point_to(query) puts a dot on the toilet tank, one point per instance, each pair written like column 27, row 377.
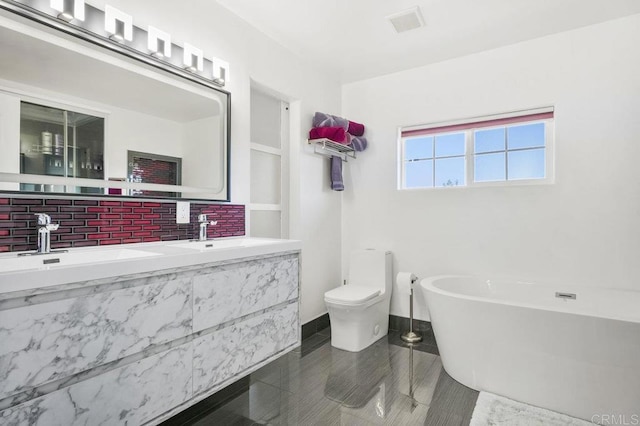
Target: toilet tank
column 371, row 268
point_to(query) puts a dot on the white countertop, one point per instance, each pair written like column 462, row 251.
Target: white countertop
column 89, row 263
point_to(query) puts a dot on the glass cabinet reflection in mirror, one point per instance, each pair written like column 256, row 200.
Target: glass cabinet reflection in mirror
column 57, row 142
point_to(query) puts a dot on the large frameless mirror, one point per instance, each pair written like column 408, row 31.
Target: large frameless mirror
column 77, row 118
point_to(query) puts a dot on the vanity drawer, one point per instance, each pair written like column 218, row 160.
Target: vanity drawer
column 132, row 395
column 49, row 341
column 228, row 352
column 236, row 290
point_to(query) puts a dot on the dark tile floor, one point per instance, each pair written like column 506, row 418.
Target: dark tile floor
column 388, row 383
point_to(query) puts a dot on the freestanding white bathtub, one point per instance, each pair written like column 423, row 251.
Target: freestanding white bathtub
column 575, row 356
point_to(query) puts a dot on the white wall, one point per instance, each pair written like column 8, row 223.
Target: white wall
column 253, row 56
column 9, row 131
column 584, row 229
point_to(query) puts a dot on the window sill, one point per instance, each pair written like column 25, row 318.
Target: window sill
column 492, row 184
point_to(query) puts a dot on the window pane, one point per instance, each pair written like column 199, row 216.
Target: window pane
column 418, row 148
column 447, row 145
column 266, row 173
column 418, row 174
column 489, row 140
column 527, row 136
column 527, row 164
column 489, row 167
column 450, row 171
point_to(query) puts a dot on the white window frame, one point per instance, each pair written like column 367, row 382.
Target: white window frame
column 470, row 154
column 433, row 158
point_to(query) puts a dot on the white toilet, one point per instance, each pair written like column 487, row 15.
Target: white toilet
column 359, row 311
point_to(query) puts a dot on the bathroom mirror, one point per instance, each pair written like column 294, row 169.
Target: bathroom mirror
column 77, row 118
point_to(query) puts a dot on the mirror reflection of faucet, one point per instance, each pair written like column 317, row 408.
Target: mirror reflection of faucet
column 204, row 222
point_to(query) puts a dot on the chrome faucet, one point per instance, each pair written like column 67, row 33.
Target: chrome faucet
column 44, row 232
column 202, row 219
column 44, row 236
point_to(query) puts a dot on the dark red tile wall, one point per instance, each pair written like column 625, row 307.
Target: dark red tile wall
column 103, row 222
column 156, row 171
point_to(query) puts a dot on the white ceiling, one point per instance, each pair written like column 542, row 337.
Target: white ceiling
column 353, row 40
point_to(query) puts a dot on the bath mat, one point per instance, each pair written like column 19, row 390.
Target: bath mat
column 499, row 411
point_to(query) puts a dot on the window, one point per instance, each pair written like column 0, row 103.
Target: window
column 507, row 148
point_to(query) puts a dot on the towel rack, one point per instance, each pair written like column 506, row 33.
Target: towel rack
column 329, row 148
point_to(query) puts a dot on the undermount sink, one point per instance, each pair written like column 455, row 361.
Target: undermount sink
column 222, row 244
column 23, row 263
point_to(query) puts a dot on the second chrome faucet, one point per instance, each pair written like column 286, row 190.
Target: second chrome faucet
column 204, row 222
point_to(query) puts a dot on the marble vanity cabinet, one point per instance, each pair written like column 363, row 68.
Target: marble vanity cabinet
column 138, row 348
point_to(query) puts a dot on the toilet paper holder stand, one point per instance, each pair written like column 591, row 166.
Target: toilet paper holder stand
column 410, row 336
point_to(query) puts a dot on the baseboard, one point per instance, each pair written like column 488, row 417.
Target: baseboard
column 209, row 404
column 313, row 326
column 397, row 323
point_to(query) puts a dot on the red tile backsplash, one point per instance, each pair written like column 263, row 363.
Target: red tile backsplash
column 86, row 223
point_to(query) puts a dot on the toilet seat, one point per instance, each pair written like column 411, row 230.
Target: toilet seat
column 350, row 295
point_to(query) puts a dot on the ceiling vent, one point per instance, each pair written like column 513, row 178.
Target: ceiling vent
column 406, row 20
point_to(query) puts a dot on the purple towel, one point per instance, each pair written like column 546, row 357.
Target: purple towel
column 356, row 129
column 336, row 174
column 359, row 143
column 336, row 134
column 320, row 119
